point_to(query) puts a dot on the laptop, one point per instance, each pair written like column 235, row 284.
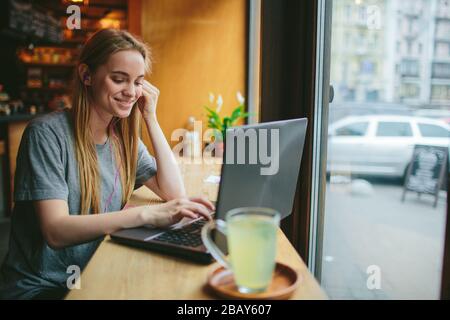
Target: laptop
column 261, row 165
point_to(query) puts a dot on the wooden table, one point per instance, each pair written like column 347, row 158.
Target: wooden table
column 120, row 272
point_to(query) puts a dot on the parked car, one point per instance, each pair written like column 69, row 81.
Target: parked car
column 381, row 145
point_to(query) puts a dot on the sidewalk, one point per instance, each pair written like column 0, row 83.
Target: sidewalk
column 404, row 239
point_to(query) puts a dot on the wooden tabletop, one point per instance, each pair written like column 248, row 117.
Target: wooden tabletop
column 121, row 272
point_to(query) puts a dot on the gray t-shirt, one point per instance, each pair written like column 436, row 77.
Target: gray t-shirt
column 47, row 169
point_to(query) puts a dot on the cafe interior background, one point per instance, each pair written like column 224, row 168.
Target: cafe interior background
column 388, row 63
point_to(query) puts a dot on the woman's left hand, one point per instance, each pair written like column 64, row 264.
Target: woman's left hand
column 149, row 99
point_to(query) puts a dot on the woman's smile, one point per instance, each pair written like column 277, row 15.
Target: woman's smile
column 125, row 103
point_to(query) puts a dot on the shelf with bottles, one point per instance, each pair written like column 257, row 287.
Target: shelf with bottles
column 48, row 56
column 38, row 78
column 47, row 89
column 17, row 109
column 45, row 101
column 47, row 68
column 62, row 65
column 114, row 21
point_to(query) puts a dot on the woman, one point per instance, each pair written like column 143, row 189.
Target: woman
column 73, row 165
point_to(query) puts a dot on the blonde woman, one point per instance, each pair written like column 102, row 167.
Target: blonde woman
column 77, row 164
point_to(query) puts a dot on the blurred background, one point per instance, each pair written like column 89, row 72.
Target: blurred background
column 199, row 50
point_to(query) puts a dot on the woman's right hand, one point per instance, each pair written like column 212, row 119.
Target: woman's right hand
column 171, row 212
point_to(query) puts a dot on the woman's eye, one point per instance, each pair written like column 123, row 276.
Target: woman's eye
column 139, row 83
column 118, row 80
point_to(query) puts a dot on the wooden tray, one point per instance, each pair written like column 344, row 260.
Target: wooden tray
column 284, row 282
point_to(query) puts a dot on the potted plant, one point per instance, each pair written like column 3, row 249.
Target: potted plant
column 221, row 124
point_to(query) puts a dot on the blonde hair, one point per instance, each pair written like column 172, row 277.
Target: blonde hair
column 124, row 133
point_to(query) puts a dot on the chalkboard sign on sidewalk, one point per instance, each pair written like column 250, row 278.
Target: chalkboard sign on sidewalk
column 427, row 170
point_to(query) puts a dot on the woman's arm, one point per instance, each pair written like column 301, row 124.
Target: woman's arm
column 167, row 183
column 61, row 229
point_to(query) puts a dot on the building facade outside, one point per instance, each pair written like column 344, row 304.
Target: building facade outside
column 391, row 52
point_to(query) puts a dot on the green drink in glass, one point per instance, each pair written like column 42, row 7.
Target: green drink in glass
column 252, row 240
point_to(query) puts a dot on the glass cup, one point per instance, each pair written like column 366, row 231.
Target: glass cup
column 252, row 240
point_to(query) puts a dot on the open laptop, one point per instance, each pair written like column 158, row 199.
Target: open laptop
column 261, row 165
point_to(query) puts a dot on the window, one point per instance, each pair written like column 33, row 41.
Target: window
column 409, row 91
column 394, row 129
column 441, row 70
column 362, row 15
column 363, row 221
column 409, row 44
column 409, row 68
column 367, row 67
column 354, row 129
column 440, row 92
column 349, row 94
column 410, row 26
column 443, row 9
column 372, row 95
column 442, row 50
column 348, row 13
column 442, row 29
column 433, row 131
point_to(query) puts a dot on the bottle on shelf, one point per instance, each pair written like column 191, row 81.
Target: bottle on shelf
column 191, row 140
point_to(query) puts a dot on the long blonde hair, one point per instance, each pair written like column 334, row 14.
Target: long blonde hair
column 124, row 133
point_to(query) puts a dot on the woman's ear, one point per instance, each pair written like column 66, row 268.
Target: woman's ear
column 84, row 74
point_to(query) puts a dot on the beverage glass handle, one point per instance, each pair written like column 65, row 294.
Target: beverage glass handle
column 221, row 226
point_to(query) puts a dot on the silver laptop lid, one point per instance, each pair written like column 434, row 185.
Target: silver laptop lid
column 261, row 164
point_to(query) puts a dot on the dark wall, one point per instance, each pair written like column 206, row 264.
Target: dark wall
column 9, row 69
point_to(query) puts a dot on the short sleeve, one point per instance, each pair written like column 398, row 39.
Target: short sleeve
column 146, row 165
column 40, row 173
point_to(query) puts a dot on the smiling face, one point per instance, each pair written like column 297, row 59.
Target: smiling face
column 116, row 85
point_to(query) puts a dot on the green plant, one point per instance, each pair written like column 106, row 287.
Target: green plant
column 215, row 121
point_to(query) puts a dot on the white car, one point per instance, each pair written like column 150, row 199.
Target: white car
column 380, row 145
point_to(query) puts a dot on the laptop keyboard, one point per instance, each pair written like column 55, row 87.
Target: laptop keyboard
column 188, row 236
